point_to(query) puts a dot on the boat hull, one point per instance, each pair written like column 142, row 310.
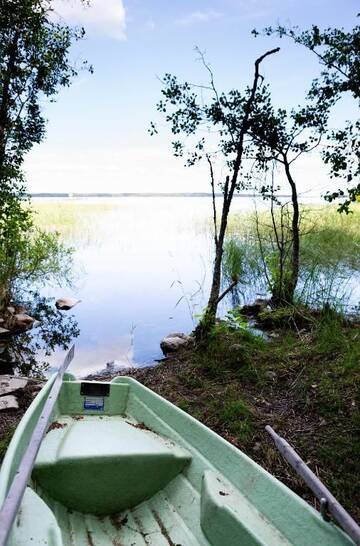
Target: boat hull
column 120, row 465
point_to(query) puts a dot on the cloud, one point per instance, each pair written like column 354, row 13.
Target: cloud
column 199, row 17
column 101, row 17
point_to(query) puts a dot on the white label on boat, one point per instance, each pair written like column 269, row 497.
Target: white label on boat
column 94, row 403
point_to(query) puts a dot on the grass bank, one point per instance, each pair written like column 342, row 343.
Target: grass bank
column 305, row 383
column 329, row 253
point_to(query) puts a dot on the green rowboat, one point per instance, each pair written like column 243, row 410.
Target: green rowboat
column 121, row 466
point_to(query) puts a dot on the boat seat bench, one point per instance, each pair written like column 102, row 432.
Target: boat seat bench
column 105, row 464
column 227, row 517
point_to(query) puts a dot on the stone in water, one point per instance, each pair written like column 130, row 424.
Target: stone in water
column 64, row 304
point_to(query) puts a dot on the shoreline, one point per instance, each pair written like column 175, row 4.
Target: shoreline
column 303, row 381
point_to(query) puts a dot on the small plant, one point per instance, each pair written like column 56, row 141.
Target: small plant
column 237, row 416
column 236, row 321
column 5, row 441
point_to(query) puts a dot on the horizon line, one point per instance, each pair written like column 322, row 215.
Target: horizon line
column 138, row 194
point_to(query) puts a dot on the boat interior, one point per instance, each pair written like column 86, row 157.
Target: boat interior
column 120, row 466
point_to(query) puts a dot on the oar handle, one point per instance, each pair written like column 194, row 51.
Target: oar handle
column 17, row 488
column 322, row 493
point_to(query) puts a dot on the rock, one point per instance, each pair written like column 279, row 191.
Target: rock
column 236, row 347
column 11, row 309
column 257, row 307
column 274, row 335
column 3, row 331
column 262, row 303
column 11, row 383
column 270, row 374
column 64, row 304
column 23, row 321
column 35, row 388
column 257, row 446
column 174, row 341
column 8, row 402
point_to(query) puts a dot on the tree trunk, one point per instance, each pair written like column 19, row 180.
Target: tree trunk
column 208, row 320
column 290, row 287
column 216, row 280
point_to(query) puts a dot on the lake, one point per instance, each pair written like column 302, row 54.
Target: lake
column 135, row 258
column 142, row 270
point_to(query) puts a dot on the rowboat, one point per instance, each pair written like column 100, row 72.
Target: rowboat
column 121, row 466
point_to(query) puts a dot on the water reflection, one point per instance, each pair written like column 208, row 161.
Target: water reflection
column 143, row 269
column 145, row 264
column 30, row 352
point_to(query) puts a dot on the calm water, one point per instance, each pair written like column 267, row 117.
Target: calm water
column 134, row 262
column 143, row 268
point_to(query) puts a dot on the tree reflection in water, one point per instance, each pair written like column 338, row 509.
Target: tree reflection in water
column 27, row 353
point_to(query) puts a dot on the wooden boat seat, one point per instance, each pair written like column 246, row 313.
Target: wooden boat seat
column 227, row 517
column 105, row 464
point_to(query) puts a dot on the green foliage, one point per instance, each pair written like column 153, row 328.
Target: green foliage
column 293, row 317
column 339, row 55
column 34, row 63
column 187, row 111
column 237, row 416
column 230, row 348
column 329, row 257
column 5, row 441
column 279, row 274
column 28, row 255
column 230, row 116
column 235, row 320
column 233, row 265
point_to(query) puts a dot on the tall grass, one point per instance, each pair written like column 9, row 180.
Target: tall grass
column 71, row 219
column 329, row 257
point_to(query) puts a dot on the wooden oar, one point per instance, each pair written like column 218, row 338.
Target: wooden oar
column 327, row 500
column 17, row 488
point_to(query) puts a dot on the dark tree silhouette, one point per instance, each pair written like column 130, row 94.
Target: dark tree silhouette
column 338, row 52
column 229, row 119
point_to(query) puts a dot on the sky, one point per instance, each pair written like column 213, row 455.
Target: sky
column 97, row 136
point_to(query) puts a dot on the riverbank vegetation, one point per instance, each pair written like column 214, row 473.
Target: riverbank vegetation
column 329, row 255
column 34, row 66
column 298, row 369
column 303, row 380
column 251, row 142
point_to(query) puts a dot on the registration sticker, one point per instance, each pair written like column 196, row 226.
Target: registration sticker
column 94, row 403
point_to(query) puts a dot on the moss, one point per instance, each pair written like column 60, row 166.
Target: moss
column 237, row 416
column 5, row 441
column 294, row 317
column 184, row 405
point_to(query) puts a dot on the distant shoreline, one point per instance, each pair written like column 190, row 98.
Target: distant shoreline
column 86, row 195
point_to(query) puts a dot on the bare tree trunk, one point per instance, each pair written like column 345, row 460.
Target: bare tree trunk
column 229, row 189
column 216, row 279
column 295, row 229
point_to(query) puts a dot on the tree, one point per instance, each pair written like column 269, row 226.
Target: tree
column 34, row 63
column 339, row 54
column 229, row 119
column 284, row 137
